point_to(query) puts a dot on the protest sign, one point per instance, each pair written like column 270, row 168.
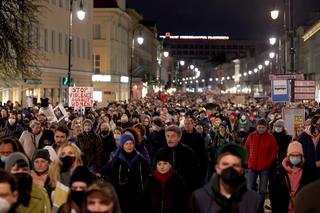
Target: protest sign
column 59, row 113
column 80, row 97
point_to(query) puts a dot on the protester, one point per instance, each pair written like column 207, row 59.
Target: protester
column 262, row 153
column 12, row 129
column 29, row 139
column 32, row 197
column 227, row 190
column 129, row 174
column 8, row 146
column 288, row 179
column 157, row 138
column 107, row 139
column 282, row 139
column 40, row 164
column 165, row 191
column 306, row 200
column 61, row 135
column 102, row 198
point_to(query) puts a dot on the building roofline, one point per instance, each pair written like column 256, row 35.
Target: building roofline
column 312, row 31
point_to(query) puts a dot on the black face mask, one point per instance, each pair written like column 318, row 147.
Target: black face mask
column 242, row 134
column 67, row 162
column 78, row 197
column 231, row 177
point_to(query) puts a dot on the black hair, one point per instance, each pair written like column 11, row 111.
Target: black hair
column 6, row 177
column 63, row 128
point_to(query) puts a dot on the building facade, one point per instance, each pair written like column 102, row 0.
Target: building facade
column 52, row 39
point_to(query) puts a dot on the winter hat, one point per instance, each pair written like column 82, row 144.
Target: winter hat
column 41, row 153
column 88, row 121
column 158, row 122
column 163, row 156
column 223, row 124
column 44, row 102
column 295, row 148
column 234, row 149
column 262, row 122
column 279, row 123
column 82, row 174
column 124, row 138
column 12, row 160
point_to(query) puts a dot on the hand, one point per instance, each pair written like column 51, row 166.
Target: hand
column 318, row 163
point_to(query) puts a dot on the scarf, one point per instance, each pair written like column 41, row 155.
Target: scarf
column 129, row 158
column 162, row 177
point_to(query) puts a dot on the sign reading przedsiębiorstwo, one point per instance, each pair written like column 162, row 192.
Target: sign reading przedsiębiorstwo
column 80, row 97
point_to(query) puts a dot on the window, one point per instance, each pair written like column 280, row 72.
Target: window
column 61, row 3
column 88, row 50
column 66, row 43
column 53, row 41
column 45, row 40
column 96, row 64
column 78, row 47
column 67, row 4
column 83, row 48
column 37, row 37
column 60, row 42
column 30, row 35
column 96, row 31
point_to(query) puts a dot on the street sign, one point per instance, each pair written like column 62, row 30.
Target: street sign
column 287, row 77
column 280, row 91
column 33, row 81
column 304, row 90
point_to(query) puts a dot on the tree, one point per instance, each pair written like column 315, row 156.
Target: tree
column 18, row 54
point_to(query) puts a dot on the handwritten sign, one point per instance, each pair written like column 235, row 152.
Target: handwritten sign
column 80, row 97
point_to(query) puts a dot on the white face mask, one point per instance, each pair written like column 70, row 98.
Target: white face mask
column 87, row 129
column 4, row 205
column 4, row 158
column 11, row 121
column 278, row 129
column 116, row 136
column 243, row 117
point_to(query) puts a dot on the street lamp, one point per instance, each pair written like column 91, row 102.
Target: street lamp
column 166, row 54
column 191, row 66
column 182, row 63
column 272, row 40
column 266, row 62
column 272, row 55
column 260, row 67
column 274, row 14
column 81, row 15
column 140, row 41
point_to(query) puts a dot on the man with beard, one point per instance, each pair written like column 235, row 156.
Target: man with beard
column 227, row 190
column 32, row 198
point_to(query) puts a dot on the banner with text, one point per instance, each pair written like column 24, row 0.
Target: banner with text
column 80, row 97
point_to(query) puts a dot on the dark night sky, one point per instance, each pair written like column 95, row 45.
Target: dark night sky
column 239, row 19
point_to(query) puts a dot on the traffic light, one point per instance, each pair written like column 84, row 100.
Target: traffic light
column 65, row 81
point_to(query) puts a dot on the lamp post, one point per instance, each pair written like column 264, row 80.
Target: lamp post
column 140, row 41
column 81, row 15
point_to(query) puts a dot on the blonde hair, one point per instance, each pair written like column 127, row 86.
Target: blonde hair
column 34, row 123
column 55, row 167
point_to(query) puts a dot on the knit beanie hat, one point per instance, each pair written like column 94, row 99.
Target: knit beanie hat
column 82, row 174
column 279, row 122
column 295, row 148
column 88, row 121
column 41, row 153
column 124, row 138
column 163, row 156
column 12, row 160
column 234, row 149
column 158, row 122
column 262, row 122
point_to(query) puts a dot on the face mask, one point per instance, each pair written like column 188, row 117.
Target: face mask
column 11, row 121
column 3, row 158
column 295, row 160
column 231, row 177
column 67, row 162
column 78, row 197
column 4, row 205
column 243, row 117
column 278, row 129
column 104, row 132
column 242, row 134
column 117, row 137
column 87, row 129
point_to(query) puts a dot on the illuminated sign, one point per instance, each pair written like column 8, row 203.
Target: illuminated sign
column 101, row 78
column 124, row 79
column 187, row 37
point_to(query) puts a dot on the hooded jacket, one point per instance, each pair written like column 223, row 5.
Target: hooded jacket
column 209, row 199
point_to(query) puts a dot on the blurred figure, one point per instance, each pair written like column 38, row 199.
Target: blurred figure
column 8, row 192
column 306, row 201
column 288, row 179
column 102, row 198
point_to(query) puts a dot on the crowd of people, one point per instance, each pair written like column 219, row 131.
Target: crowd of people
column 183, row 154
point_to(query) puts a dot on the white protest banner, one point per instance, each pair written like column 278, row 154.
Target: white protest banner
column 293, row 119
column 59, row 113
column 80, row 97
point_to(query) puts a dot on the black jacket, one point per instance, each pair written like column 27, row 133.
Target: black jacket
column 209, row 200
column 196, row 142
column 155, row 141
column 185, row 164
column 280, row 189
column 283, row 141
column 170, row 197
column 129, row 182
column 109, row 145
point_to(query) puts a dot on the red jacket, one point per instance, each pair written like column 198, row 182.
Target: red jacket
column 262, row 150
